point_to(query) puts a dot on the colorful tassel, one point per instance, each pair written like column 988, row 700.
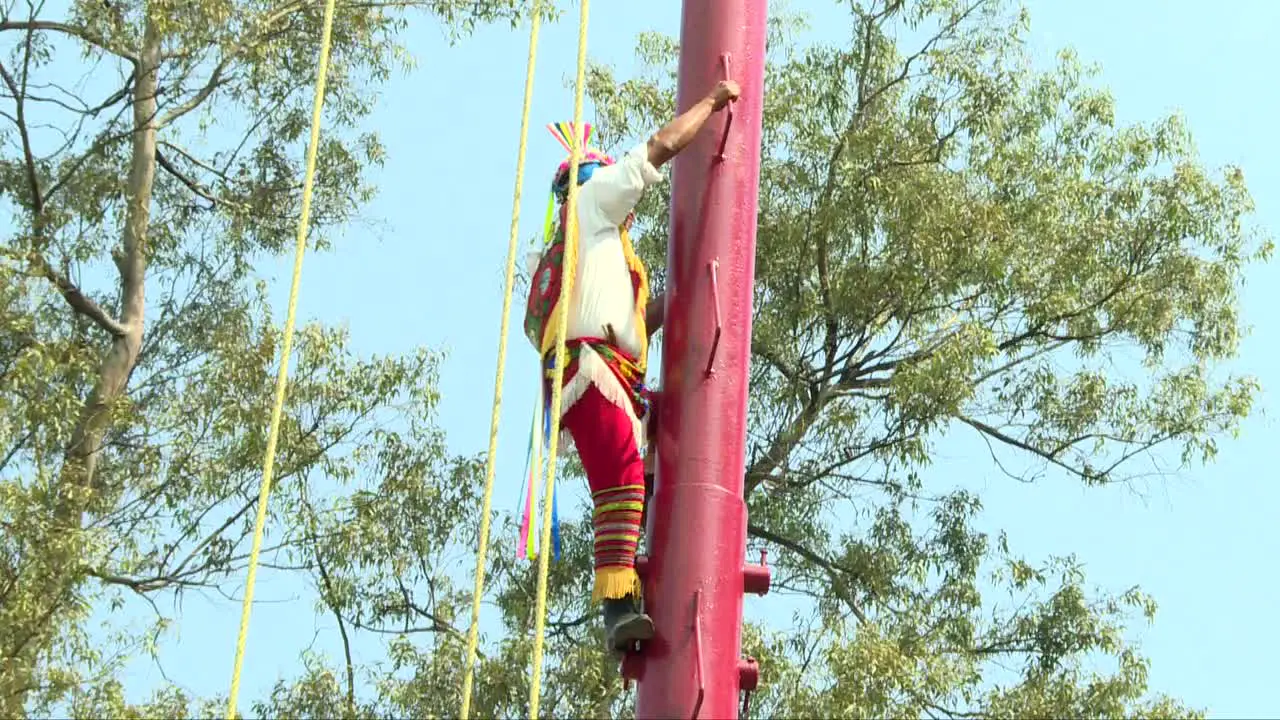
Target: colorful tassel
column 547, row 226
column 555, row 500
column 522, row 545
column 527, row 544
column 555, row 524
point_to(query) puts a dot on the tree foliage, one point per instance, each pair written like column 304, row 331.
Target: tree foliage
column 954, row 242
column 951, row 242
column 151, row 159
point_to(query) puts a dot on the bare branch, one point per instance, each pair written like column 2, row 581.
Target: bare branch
column 1051, row 457
column 85, row 108
column 33, row 184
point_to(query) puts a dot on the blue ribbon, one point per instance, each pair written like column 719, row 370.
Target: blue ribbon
column 555, row 500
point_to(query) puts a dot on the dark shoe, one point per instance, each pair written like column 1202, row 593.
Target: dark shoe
column 625, row 625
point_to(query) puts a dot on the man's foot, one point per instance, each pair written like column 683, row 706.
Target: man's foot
column 625, row 625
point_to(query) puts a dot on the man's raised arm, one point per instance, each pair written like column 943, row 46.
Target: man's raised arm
column 677, row 134
column 614, row 190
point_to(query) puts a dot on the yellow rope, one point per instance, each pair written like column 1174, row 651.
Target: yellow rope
column 282, row 377
column 557, row 382
column 473, row 636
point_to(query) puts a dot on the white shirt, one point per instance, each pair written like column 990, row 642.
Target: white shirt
column 602, row 291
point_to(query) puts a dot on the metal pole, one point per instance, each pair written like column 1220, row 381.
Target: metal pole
column 695, row 575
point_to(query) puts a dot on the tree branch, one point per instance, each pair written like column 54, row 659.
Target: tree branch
column 831, row 568
column 765, row 353
column 1051, row 457
column 70, row 292
column 78, row 301
column 786, row 441
column 17, row 447
column 342, row 629
column 28, row 157
column 190, row 184
column 216, row 80
column 77, row 32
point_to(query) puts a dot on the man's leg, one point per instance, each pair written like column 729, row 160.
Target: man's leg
column 606, row 444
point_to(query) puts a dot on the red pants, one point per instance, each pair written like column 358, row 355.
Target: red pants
column 606, row 443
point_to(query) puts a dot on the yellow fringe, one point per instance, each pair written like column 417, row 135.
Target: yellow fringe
column 613, row 583
column 642, row 296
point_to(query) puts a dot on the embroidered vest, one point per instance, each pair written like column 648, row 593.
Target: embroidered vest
column 544, row 295
column 548, row 278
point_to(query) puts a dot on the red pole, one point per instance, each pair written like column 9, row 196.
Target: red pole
column 695, row 575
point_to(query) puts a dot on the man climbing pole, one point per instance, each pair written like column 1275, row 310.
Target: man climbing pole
column 610, row 319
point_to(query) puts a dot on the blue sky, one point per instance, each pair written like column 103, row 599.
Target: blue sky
column 1200, row 541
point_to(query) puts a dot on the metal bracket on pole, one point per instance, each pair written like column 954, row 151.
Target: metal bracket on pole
column 756, row 578
column 725, row 60
column 748, row 681
column 697, row 651
column 712, row 269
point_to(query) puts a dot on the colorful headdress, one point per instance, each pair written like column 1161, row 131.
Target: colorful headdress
column 563, row 133
column 591, row 158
